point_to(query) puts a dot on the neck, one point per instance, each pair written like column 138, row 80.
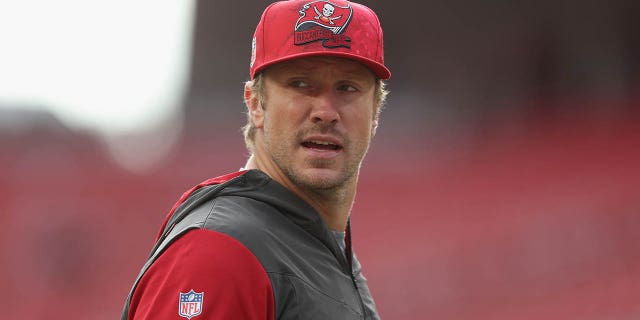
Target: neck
column 333, row 205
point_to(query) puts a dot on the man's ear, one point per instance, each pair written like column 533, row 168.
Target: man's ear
column 254, row 106
column 374, row 122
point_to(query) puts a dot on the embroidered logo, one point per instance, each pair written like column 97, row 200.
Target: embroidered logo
column 190, row 304
column 323, row 21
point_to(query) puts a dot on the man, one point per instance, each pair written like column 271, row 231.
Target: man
column 268, row 242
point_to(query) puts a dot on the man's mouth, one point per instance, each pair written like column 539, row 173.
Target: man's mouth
column 321, row 145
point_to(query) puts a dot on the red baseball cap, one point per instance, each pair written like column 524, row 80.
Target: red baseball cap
column 301, row 28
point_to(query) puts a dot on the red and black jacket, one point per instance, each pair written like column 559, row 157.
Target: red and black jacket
column 242, row 246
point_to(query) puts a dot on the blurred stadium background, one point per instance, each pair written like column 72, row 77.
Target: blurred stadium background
column 504, row 182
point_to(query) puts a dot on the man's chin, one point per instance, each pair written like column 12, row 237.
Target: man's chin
column 320, row 179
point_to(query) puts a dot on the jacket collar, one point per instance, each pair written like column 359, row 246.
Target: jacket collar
column 257, row 185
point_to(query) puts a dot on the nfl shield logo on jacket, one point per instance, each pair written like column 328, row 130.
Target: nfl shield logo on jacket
column 190, row 304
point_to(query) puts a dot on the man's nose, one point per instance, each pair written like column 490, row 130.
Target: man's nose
column 324, row 109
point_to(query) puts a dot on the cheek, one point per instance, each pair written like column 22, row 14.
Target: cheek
column 277, row 123
column 364, row 120
column 287, row 116
column 361, row 131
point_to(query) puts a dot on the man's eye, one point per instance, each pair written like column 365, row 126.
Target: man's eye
column 299, row 84
column 348, row 88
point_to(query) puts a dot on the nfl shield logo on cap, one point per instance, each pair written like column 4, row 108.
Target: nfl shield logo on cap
column 190, row 304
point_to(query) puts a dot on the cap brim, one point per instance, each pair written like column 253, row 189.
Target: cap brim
column 378, row 69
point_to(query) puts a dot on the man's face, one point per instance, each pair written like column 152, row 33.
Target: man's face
column 318, row 118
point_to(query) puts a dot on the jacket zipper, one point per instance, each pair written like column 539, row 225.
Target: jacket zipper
column 349, row 256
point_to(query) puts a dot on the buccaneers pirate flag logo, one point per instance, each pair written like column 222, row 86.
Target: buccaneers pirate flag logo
column 323, row 21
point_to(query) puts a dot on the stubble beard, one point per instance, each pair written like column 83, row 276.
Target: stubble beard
column 327, row 187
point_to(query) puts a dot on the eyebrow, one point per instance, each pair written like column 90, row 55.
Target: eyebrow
column 298, row 68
